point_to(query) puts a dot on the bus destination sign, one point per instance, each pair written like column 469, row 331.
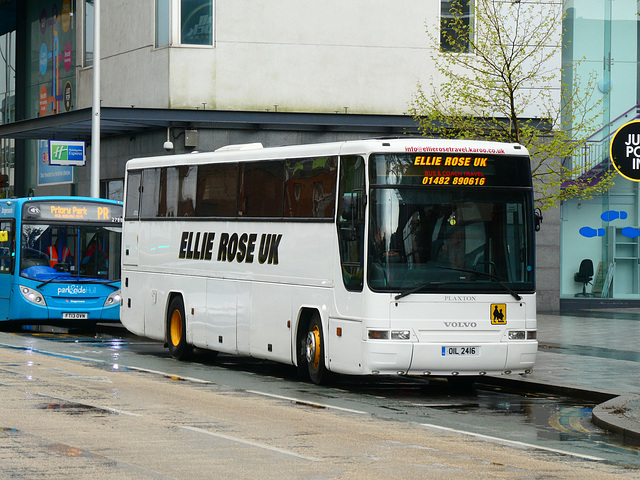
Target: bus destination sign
column 462, row 171
column 78, row 211
column 451, row 170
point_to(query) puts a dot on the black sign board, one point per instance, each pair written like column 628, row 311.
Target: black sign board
column 625, row 150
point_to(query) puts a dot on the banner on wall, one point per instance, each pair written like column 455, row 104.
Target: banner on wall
column 625, row 150
column 51, row 174
column 50, row 71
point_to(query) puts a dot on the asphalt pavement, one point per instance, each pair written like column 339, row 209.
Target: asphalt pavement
column 593, row 354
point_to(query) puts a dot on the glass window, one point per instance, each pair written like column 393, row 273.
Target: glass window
column 163, row 22
column 261, row 189
column 7, row 246
column 351, row 221
column 150, row 193
column 114, row 189
column 455, row 25
column 133, row 195
column 310, row 187
column 88, row 32
column 186, row 191
column 217, row 190
column 196, row 22
column 55, row 253
column 456, row 239
column 168, row 200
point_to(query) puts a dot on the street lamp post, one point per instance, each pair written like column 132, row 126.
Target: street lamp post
column 95, row 110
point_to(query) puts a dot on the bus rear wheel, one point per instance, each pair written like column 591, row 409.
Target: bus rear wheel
column 177, row 330
column 314, row 351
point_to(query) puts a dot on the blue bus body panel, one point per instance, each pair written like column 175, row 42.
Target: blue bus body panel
column 65, row 298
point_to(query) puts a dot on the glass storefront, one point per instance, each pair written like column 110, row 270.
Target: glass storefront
column 603, row 37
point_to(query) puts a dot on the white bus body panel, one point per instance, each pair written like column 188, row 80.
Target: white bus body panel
column 232, row 306
column 436, row 322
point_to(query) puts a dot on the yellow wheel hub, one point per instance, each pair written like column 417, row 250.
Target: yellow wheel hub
column 176, row 328
column 313, row 347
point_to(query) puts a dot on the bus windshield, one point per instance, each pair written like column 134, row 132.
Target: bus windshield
column 444, row 238
column 63, row 253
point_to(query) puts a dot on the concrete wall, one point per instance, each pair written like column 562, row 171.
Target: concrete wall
column 548, row 262
column 365, row 55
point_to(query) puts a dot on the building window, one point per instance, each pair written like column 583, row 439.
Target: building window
column 112, row 189
column 163, row 22
column 196, row 22
column 455, row 26
column 88, row 33
column 183, row 22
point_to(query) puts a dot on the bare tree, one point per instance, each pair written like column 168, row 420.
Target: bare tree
column 499, row 77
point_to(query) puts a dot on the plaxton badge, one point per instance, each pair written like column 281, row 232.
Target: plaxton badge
column 238, row 247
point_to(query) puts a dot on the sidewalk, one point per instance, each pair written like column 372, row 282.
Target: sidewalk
column 594, row 354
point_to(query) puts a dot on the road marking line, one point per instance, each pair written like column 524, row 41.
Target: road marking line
column 513, row 442
column 170, row 375
column 306, row 402
column 250, row 443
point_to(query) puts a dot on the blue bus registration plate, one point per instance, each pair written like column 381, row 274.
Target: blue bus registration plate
column 75, row 316
column 460, row 351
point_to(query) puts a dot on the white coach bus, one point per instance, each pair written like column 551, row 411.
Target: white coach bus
column 402, row 257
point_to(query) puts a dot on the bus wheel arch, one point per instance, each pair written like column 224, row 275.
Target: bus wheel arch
column 176, row 328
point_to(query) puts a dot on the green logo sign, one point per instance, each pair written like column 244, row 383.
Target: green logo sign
column 66, row 153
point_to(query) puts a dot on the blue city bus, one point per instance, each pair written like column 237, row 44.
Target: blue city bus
column 60, row 260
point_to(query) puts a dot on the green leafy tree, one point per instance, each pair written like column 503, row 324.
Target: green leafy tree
column 498, row 77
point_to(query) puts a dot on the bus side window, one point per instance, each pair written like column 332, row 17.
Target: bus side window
column 150, row 193
column 350, row 222
column 133, row 196
column 7, row 247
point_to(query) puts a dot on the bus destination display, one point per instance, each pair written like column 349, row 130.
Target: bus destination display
column 453, row 170
column 80, row 211
column 446, row 170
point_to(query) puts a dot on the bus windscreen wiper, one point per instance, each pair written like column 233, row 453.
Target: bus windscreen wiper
column 417, row 288
column 490, row 276
column 46, row 282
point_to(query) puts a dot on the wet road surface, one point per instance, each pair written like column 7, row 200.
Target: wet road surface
column 529, row 420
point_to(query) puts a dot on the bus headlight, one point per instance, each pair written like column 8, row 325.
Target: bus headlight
column 385, row 335
column 32, row 296
column 113, row 299
column 517, row 335
column 400, row 334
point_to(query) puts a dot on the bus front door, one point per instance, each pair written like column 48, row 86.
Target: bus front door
column 7, row 255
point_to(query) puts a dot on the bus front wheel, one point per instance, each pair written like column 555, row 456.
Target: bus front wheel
column 176, row 330
column 314, row 351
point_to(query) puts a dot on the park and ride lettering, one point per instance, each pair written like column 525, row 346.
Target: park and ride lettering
column 75, row 212
column 234, row 247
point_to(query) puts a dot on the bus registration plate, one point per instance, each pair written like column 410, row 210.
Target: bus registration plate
column 74, row 316
column 461, row 351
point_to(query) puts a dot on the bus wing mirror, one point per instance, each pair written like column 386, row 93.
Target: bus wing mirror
column 4, row 236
